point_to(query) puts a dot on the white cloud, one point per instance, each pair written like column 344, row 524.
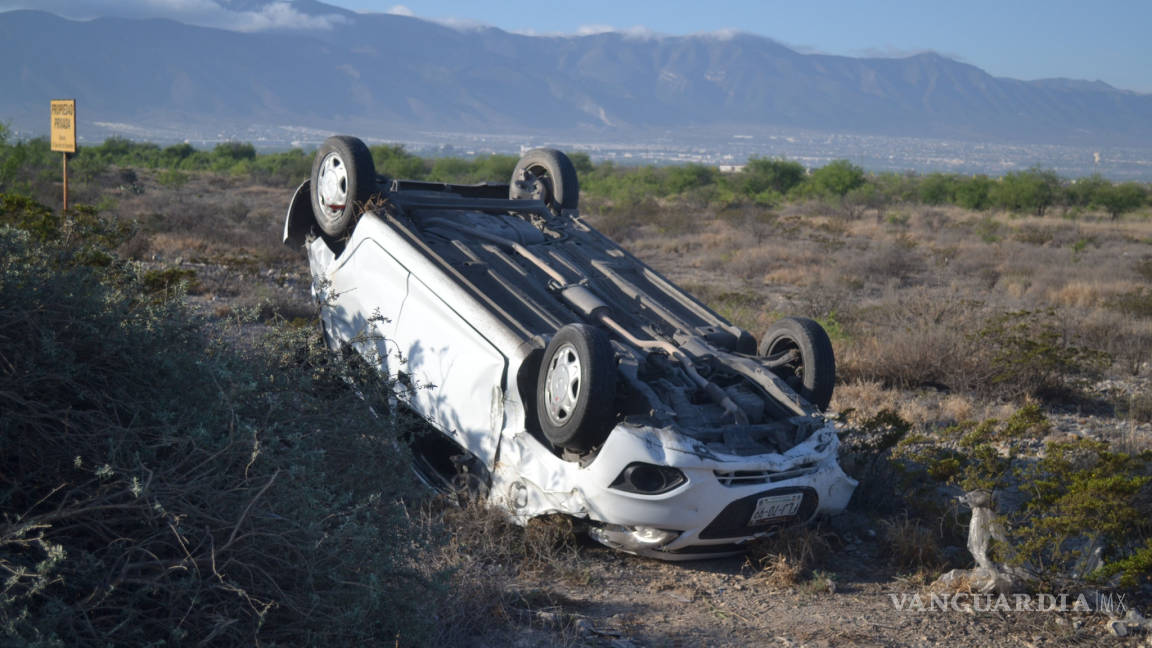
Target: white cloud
column 592, row 30
column 721, row 34
column 400, row 10
column 273, row 14
column 460, row 24
column 640, row 32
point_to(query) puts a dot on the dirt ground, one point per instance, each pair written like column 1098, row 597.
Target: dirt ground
column 628, row 601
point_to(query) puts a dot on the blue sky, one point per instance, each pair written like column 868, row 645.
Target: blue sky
column 1107, row 40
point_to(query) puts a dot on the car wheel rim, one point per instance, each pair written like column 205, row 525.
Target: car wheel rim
column 793, row 372
column 563, row 384
column 332, row 186
column 539, row 183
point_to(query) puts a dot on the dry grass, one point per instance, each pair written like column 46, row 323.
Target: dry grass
column 911, row 294
column 909, row 544
column 1083, row 294
column 786, row 558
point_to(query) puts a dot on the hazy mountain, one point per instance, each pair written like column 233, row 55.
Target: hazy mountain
column 378, row 71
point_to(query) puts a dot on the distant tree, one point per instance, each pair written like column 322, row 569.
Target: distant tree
column 395, row 162
column 1122, row 198
column 938, row 189
column 897, row 187
column 1034, row 190
column 494, row 168
column 1086, row 191
column 836, row 178
column 867, row 196
column 234, row 151
column 769, row 174
column 974, row 192
column 688, row 177
column 177, row 153
column 449, row 169
column 582, row 161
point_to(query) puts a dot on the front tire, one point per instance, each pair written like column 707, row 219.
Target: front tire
column 576, row 390
column 813, row 373
column 343, row 179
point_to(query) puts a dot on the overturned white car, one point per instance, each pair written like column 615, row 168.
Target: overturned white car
column 565, row 375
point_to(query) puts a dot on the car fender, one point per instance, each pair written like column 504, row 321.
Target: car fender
column 299, row 220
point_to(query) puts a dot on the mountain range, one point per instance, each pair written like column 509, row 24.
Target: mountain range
column 377, row 73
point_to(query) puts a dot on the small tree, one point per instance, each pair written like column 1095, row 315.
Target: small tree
column 836, row 178
column 778, row 175
column 975, row 192
column 938, row 189
column 1118, row 199
column 1033, row 190
column 1086, row 191
column 688, row 177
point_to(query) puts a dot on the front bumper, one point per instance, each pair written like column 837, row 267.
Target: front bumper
column 709, row 515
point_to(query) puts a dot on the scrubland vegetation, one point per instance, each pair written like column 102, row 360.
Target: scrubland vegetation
column 182, row 463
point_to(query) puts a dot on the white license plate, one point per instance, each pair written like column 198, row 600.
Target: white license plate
column 776, row 506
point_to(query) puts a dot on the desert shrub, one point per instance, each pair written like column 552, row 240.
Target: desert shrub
column 26, row 214
column 1143, row 268
column 1084, row 496
column 1139, row 407
column 909, row 543
column 162, row 488
column 1072, row 500
column 167, row 280
column 920, row 339
column 866, row 454
column 172, row 178
column 790, row 555
column 1030, row 355
column 1137, row 303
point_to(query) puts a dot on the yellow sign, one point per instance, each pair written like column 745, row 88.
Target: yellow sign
column 64, row 125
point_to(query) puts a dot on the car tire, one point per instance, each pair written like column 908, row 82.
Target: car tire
column 813, row 375
column 343, row 179
column 548, row 175
column 576, row 389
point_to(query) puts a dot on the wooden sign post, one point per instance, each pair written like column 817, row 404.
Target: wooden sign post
column 64, row 134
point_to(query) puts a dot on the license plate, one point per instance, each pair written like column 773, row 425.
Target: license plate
column 776, row 506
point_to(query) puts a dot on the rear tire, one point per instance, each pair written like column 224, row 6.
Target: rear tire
column 576, row 390
column 813, row 374
column 343, row 179
column 548, row 175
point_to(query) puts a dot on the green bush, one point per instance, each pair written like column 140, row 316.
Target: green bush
column 1122, row 198
column 777, row 176
column 1082, row 495
column 836, row 178
column 974, row 192
column 939, row 189
column 1034, row 190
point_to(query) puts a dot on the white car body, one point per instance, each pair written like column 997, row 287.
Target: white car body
column 445, row 329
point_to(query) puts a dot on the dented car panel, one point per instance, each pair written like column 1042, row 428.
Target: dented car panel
column 570, row 377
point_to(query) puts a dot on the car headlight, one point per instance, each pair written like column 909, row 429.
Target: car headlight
column 648, row 479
